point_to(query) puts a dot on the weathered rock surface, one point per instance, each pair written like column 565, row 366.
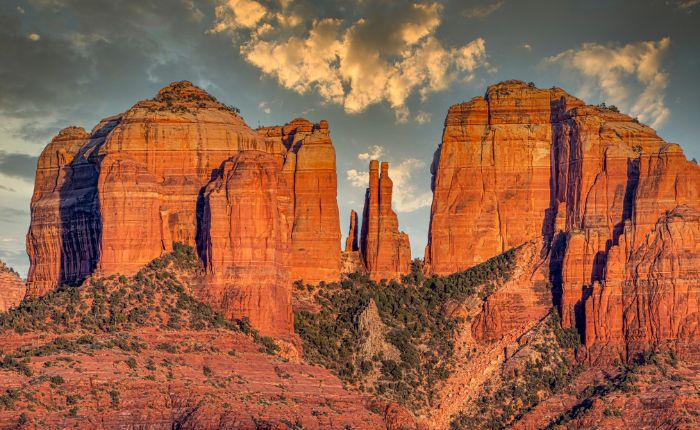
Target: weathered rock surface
column 310, row 163
column 351, row 243
column 386, row 251
column 12, row 288
column 522, row 163
column 246, row 238
column 112, row 200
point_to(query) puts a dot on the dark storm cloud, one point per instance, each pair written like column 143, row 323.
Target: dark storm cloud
column 18, row 165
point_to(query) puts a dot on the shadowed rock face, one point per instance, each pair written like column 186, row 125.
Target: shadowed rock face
column 596, row 185
column 351, row 244
column 386, row 251
column 114, row 199
column 12, row 289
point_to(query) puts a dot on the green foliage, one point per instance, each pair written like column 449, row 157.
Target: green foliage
column 418, row 328
column 547, row 371
column 152, row 297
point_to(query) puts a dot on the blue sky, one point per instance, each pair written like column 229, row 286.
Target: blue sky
column 382, row 73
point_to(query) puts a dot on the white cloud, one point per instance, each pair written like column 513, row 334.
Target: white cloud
column 264, row 107
column 423, row 117
column 33, row 37
column 406, row 196
column 235, row 14
column 384, row 55
column 527, row 47
column 483, row 11
column 630, row 76
column 375, row 153
column 358, row 179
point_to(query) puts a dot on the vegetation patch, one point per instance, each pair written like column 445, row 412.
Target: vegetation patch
column 417, row 326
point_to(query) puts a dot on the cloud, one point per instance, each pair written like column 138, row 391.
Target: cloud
column 384, row 54
column 631, row 77
column 239, row 14
column 264, row 107
column 21, row 166
column 527, row 47
column 358, row 179
column 406, row 196
column 423, row 117
column 33, row 37
column 12, row 213
column 686, row 5
column 375, row 154
column 483, row 11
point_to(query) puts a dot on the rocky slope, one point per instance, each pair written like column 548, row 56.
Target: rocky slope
column 142, row 352
column 112, row 200
column 597, row 187
column 12, row 288
column 385, row 251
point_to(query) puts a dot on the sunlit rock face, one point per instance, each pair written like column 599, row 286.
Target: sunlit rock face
column 111, row 200
column 12, row 288
column 523, row 163
column 386, row 251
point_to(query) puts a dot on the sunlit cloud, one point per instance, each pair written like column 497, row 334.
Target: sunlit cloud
column 483, row 11
column 631, row 77
column 375, row 153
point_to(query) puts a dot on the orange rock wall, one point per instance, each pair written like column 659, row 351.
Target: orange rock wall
column 12, row 288
column 386, row 251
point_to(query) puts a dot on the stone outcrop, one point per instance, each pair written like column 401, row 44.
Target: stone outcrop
column 598, row 187
column 351, row 243
column 246, row 236
column 112, row 200
column 386, row 251
column 12, row 288
column 310, row 163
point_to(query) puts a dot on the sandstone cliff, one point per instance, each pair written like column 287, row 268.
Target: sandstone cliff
column 245, row 228
column 596, row 185
column 112, row 200
column 310, row 163
column 385, row 250
column 351, row 243
column 12, row 288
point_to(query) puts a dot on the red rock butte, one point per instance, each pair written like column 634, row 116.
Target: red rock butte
column 385, row 251
column 615, row 206
column 111, row 200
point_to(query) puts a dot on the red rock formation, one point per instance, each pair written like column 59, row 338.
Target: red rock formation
column 246, row 235
column 522, row 163
column 385, row 250
column 491, row 175
column 12, row 289
column 114, row 199
column 310, row 161
column 351, row 241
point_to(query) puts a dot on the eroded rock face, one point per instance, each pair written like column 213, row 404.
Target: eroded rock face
column 597, row 186
column 386, row 251
column 351, row 243
column 310, row 165
column 112, row 200
column 12, row 288
column 246, row 234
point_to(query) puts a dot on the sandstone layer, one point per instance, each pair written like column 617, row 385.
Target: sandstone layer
column 351, row 243
column 109, row 201
column 597, row 186
column 310, row 164
column 12, row 288
column 246, row 235
column 386, row 251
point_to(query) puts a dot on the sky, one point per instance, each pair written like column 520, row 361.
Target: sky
column 383, row 73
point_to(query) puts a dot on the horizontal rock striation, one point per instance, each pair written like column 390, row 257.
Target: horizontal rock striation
column 12, row 288
column 112, row 200
column 597, row 186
